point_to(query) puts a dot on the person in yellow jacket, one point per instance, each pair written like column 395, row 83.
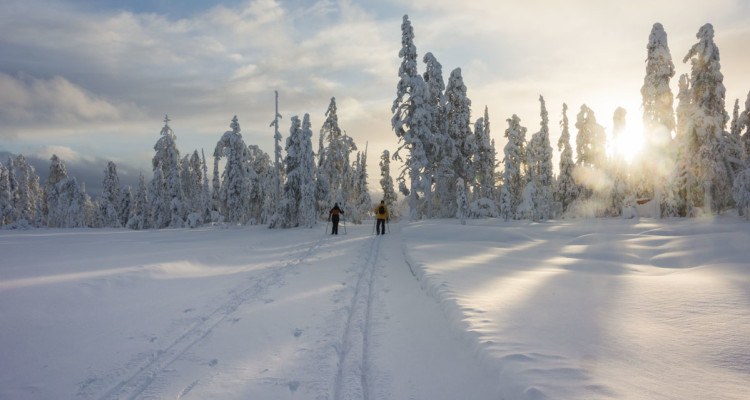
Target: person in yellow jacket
column 381, row 213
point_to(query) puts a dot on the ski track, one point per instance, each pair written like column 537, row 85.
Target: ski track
column 137, row 382
column 354, row 372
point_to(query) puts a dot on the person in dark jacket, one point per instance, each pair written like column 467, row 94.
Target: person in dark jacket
column 382, row 215
column 333, row 216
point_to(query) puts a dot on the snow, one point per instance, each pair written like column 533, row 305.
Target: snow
column 580, row 309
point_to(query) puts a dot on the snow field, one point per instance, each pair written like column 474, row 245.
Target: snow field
column 605, row 308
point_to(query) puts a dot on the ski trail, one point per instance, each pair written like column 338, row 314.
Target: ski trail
column 136, row 383
column 353, row 371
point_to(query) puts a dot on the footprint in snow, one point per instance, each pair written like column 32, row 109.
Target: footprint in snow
column 213, row 362
column 297, row 332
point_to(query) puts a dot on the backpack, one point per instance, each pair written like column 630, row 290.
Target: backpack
column 381, row 210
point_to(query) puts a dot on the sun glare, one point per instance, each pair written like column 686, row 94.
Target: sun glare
column 628, row 144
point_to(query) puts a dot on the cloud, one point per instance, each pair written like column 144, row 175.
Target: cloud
column 27, row 99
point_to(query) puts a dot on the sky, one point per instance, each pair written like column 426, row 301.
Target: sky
column 92, row 80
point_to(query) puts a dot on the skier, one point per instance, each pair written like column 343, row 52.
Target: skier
column 333, row 216
column 381, row 213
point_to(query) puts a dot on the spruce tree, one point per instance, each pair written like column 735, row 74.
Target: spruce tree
column 238, row 176
column 166, row 193
column 386, row 182
column 109, row 201
column 566, row 189
column 411, row 119
column 710, row 172
column 6, row 205
column 514, row 164
column 52, row 207
column 540, row 174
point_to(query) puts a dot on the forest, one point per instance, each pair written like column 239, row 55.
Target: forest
column 694, row 162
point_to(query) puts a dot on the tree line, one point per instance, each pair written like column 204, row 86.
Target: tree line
column 291, row 191
column 691, row 164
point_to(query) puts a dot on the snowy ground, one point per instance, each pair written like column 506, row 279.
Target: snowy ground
column 588, row 309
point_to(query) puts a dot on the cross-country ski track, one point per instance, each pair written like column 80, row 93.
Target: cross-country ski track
column 375, row 334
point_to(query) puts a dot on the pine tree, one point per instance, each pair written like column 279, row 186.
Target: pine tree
column 296, row 161
column 6, row 204
column 620, row 188
column 109, row 201
column 308, row 211
column 658, row 114
column 566, row 189
column 27, row 194
column 438, row 146
column 262, row 187
column 139, row 209
column 677, row 202
column 744, row 124
column 656, row 159
column 238, row 176
column 205, row 191
column 486, row 158
column 515, row 163
column 335, row 158
column 72, row 204
column 462, row 201
column 363, row 200
column 710, row 172
column 51, row 205
column 411, row 119
column 166, row 194
column 540, row 174
column 386, row 183
column 458, row 121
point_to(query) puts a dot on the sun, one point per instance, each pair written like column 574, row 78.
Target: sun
column 628, row 143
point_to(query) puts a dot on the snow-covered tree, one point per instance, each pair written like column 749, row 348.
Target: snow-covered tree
column 486, row 159
column 438, row 146
column 335, row 167
column 298, row 206
column 192, row 184
column 590, row 140
column 741, row 192
column 386, row 183
column 166, row 188
column 620, row 185
column 206, row 203
column 263, row 187
column 676, row 201
column 363, row 201
column 109, row 201
column 139, row 212
column 308, row 212
column 656, row 159
column 711, row 174
column 6, row 204
column 411, row 119
column 126, row 203
column 744, row 125
column 458, row 128
column 238, row 176
column 26, row 192
column 52, row 209
column 514, row 165
column 658, row 113
column 462, row 201
column 566, row 190
column 72, row 204
column 540, row 174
